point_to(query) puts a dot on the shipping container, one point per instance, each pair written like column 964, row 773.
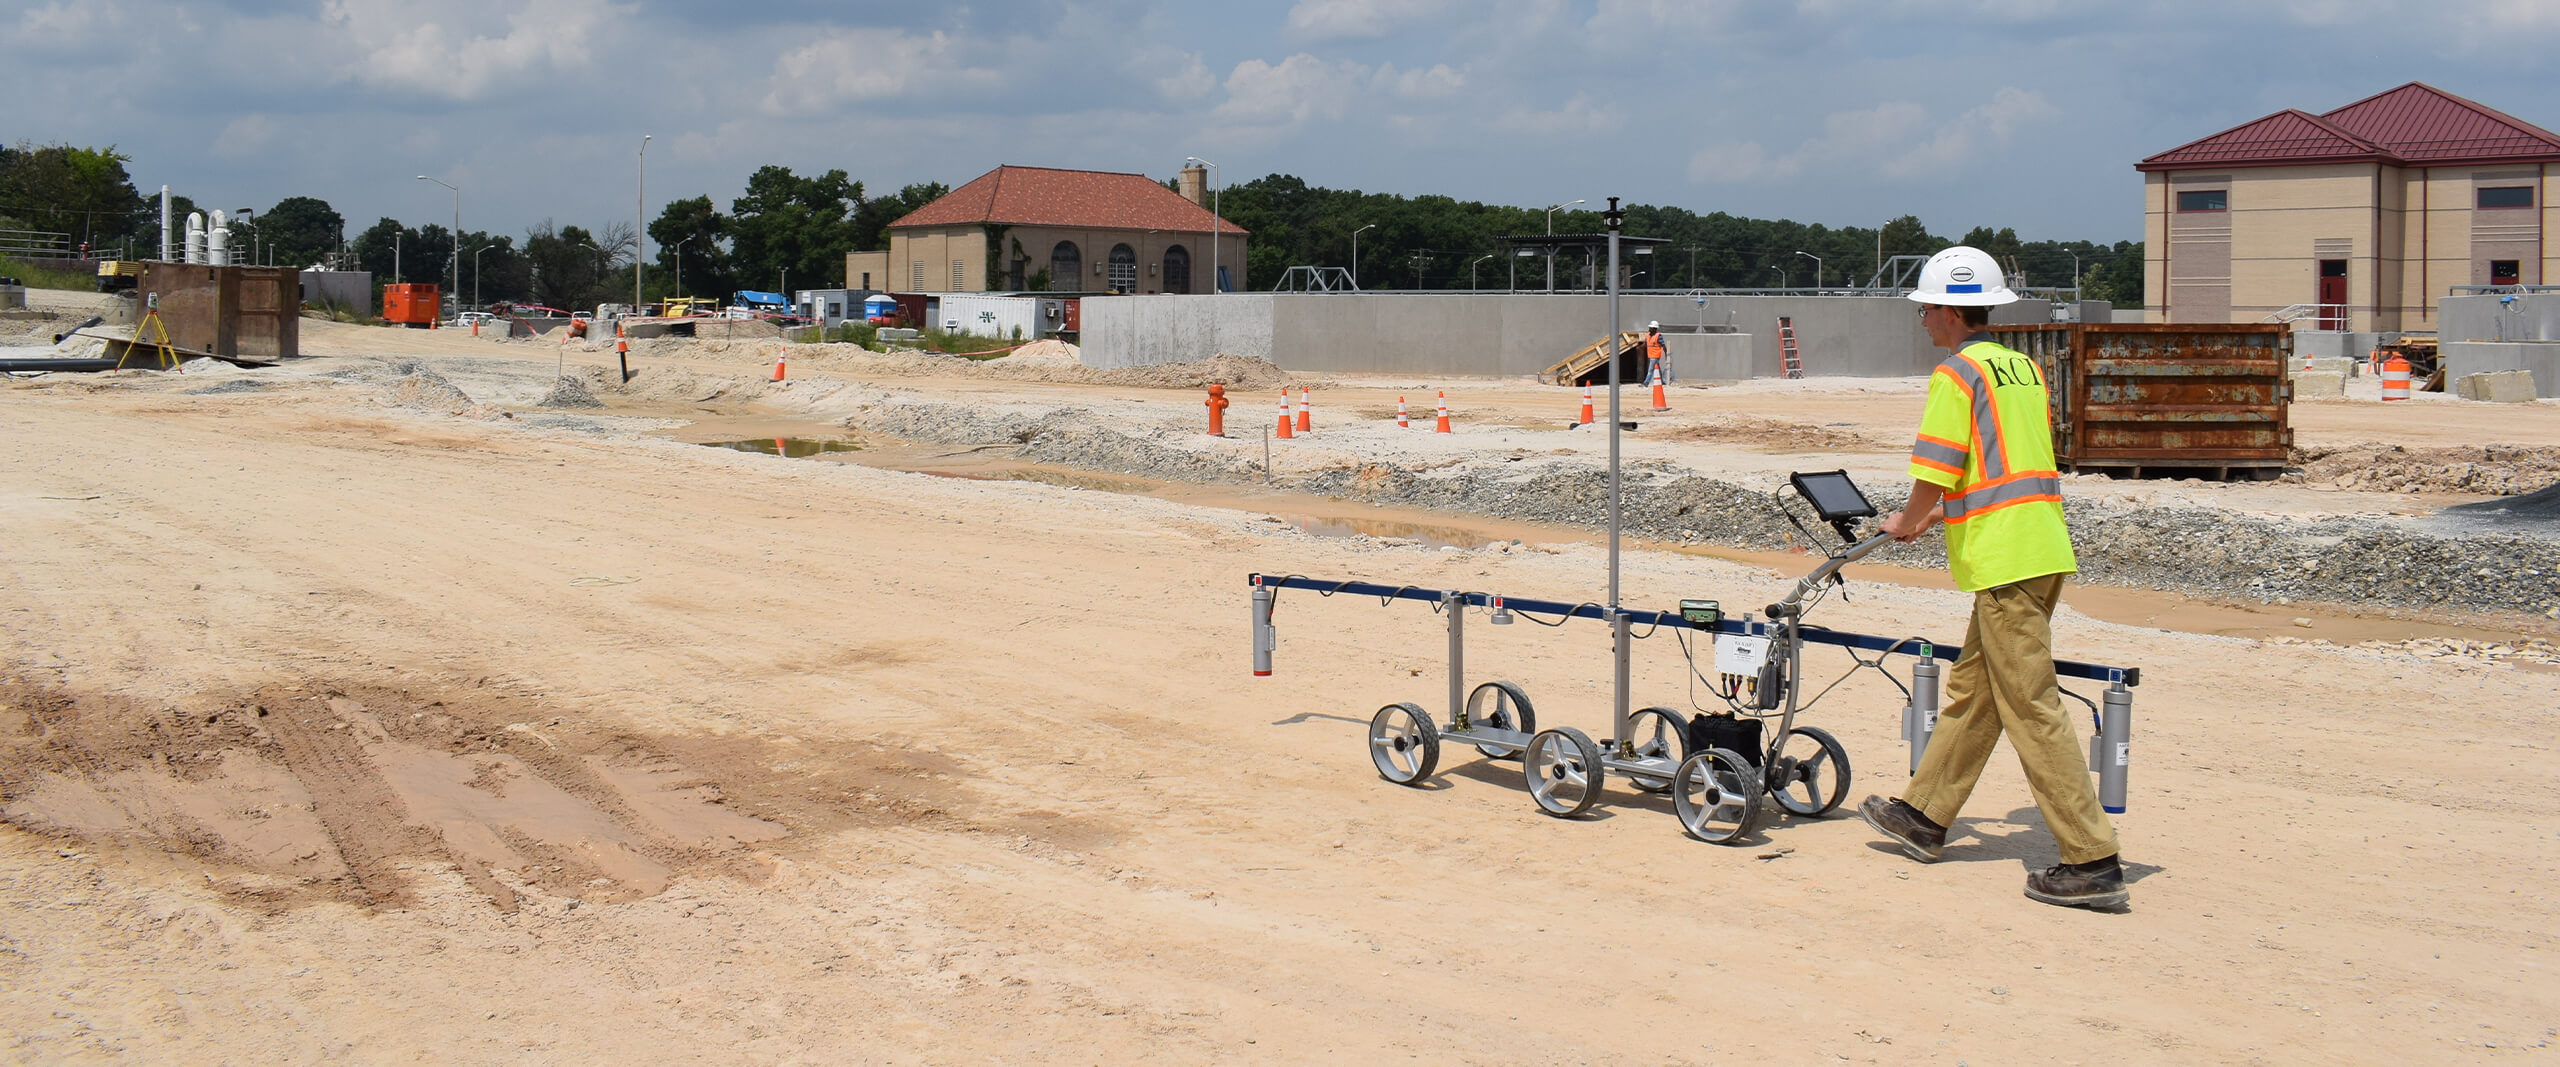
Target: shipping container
column 1002, row 317
column 2165, row 399
column 228, row 311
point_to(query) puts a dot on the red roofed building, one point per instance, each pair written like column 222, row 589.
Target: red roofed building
column 1068, row 231
column 2369, row 212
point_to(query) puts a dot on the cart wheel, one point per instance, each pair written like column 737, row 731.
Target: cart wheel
column 1716, row 794
column 1564, row 772
column 1503, row 706
column 1814, row 784
column 1656, row 732
column 1403, row 743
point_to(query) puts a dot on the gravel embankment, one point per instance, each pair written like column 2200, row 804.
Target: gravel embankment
column 2192, row 550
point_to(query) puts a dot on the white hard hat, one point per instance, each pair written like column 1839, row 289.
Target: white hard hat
column 1963, row 276
column 1653, row 325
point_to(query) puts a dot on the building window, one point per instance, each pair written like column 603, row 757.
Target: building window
column 915, row 272
column 2507, row 196
column 1124, row 269
column 1177, row 270
column 1066, row 268
column 2506, row 272
column 2205, row 200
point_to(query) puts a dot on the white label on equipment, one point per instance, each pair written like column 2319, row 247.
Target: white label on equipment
column 2124, row 752
column 1740, row 654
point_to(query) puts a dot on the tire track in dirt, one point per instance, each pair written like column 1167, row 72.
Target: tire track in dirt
column 364, row 818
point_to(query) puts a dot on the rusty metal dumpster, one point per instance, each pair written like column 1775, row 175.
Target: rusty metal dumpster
column 228, row 311
column 2205, row 400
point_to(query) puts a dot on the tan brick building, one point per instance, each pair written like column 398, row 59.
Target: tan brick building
column 1069, row 231
column 2368, row 212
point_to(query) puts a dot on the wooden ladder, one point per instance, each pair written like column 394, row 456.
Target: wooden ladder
column 1787, row 354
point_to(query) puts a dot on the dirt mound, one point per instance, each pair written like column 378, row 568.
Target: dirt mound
column 1234, row 372
column 570, row 392
column 2499, row 470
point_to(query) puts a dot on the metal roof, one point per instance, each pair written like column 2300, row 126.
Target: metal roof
column 2413, row 125
column 1042, row 196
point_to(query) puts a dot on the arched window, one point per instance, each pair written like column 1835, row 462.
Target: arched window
column 1124, row 269
column 1066, row 268
column 1177, row 270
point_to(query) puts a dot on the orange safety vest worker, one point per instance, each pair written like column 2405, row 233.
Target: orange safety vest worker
column 1986, row 438
column 1653, row 346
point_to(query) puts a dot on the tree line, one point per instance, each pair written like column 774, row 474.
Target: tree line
column 789, row 230
column 1437, row 242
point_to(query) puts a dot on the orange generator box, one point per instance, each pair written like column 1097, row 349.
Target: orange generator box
column 411, row 304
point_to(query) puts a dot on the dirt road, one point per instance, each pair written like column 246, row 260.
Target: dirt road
column 338, row 726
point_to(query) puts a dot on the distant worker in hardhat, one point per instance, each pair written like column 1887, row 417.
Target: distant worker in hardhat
column 1653, row 352
column 1983, row 464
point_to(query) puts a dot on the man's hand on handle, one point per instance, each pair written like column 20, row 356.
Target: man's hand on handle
column 1917, row 516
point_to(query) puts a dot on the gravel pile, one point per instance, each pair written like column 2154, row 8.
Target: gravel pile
column 235, row 385
column 2191, row 550
column 2493, row 469
column 569, row 392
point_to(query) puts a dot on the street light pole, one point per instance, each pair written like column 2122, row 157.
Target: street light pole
column 475, row 276
column 680, row 263
column 1355, row 253
column 1817, row 267
column 1471, row 272
column 1551, row 231
column 1217, row 222
column 2075, row 275
column 457, row 235
column 640, row 217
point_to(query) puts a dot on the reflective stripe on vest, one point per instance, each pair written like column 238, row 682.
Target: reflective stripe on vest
column 1992, row 496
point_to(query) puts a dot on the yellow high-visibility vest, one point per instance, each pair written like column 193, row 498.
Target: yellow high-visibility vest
column 1987, row 439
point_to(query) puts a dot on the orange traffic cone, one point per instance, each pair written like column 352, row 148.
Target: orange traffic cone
column 777, row 368
column 1586, row 405
column 1284, row 415
column 1306, row 423
column 1659, row 404
column 1401, row 422
column 1444, row 413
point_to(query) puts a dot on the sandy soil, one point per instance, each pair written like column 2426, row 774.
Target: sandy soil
column 338, row 728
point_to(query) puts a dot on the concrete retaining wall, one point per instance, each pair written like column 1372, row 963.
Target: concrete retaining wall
column 2465, row 358
column 1502, row 334
column 2531, row 317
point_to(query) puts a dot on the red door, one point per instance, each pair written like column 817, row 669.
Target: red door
column 2333, row 294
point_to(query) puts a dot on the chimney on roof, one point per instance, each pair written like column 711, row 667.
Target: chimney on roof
column 1195, row 184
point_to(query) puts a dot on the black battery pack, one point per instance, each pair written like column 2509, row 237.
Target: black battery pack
column 1733, row 732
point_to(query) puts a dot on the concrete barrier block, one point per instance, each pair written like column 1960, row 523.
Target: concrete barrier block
column 2311, row 383
column 2497, row 387
column 2339, row 366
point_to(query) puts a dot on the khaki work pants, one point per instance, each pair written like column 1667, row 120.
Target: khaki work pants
column 2004, row 683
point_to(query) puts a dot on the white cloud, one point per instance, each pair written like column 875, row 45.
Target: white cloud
column 396, row 45
column 1637, row 19
column 1326, row 19
column 1192, row 82
column 1297, row 89
column 856, row 66
column 1435, row 83
column 1895, row 139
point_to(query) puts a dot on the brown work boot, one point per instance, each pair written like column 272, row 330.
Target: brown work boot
column 2095, row 884
column 1921, row 839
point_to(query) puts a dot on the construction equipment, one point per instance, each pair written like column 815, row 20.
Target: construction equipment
column 2418, row 350
column 1787, row 353
column 1590, row 361
column 118, row 274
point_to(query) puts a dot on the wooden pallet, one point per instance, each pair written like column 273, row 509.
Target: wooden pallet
column 1588, row 358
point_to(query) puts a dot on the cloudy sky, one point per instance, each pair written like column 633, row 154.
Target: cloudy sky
column 2025, row 113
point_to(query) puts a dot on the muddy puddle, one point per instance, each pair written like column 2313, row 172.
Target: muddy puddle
column 1329, row 517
